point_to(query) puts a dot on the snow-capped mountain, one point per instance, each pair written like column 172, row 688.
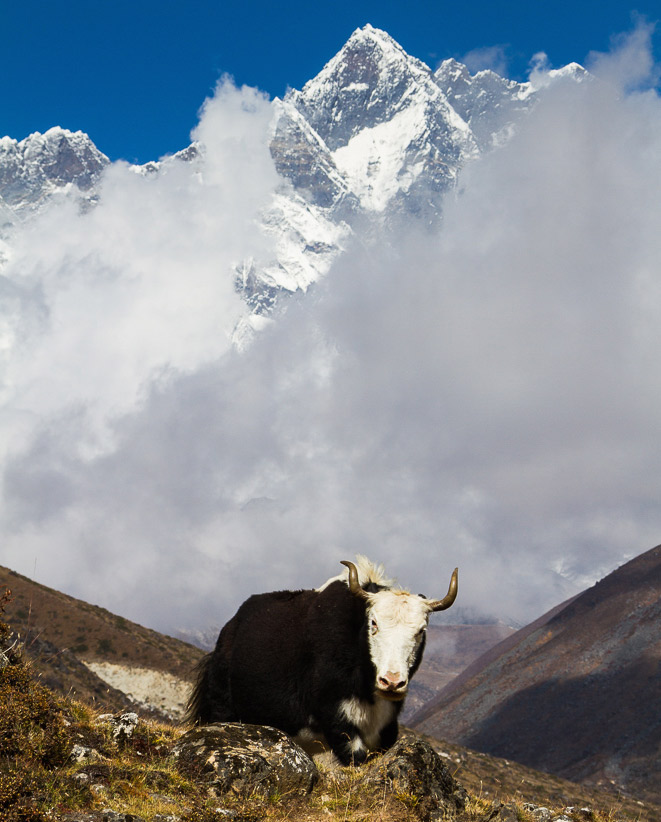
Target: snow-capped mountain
column 375, row 136
column 41, row 165
column 389, row 128
column 488, row 103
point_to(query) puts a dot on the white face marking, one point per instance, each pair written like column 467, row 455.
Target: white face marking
column 397, row 622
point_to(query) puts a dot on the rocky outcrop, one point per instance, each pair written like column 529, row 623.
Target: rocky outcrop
column 252, row 760
column 245, row 759
column 412, row 770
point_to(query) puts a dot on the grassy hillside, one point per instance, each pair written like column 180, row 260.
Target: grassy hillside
column 91, row 632
column 41, row 780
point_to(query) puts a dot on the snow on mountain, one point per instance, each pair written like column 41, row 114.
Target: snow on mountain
column 301, row 156
column 376, row 135
column 490, row 104
column 386, row 122
column 42, row 164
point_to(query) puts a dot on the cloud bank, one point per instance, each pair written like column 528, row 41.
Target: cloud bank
column 485, row 395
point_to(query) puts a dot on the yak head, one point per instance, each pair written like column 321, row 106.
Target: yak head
column 396, row 625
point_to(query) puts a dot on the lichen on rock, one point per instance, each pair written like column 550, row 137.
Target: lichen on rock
column 412, row 770
column 245, row 759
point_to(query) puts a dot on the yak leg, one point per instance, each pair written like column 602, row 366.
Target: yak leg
column 343, row 738
column 389, row 735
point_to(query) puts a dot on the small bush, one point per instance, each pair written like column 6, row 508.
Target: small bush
column 31, row 722
column 17, row 789
column 105, row 647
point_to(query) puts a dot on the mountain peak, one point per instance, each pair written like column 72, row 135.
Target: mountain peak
column 364, row 85
column 573, row 71
column 370, row 34
column 43, row 163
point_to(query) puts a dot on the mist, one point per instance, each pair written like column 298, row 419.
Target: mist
column 484, row 395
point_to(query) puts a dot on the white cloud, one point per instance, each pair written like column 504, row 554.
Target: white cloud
column 486, row 396
column 493, row 58
column 630, row 64
column 142, row 282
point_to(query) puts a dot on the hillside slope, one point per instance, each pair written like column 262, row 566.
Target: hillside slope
column 578, row 695
column 70, row 641
column 448, row 651
column 61, row 760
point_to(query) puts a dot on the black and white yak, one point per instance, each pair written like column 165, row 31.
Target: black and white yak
column 330, row 667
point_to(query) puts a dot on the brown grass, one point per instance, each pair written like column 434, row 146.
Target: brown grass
column 39, row 781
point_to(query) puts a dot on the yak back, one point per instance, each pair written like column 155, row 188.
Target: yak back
column 296, row 652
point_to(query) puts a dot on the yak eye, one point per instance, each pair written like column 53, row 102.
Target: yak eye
column 373, row 627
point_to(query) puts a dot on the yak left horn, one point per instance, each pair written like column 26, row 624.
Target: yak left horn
column 449, row 598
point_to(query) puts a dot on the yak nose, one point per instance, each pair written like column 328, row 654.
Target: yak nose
column 392, row 681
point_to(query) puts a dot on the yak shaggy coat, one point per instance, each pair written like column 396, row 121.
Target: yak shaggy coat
column 330, row 667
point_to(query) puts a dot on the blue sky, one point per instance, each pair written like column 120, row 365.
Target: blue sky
column 133, row 75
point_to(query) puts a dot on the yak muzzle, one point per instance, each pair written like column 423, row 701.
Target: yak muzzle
column 391, row 686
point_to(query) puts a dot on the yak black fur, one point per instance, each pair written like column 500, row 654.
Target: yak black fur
column 291, row 659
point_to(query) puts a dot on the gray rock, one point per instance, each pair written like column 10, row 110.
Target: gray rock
column 123, row 724
column 245, row 759
column 83, row 755
column 539, row 813
column 413, row 769
column 504, row 812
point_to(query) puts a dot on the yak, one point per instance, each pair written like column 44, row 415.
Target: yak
column 330, row 667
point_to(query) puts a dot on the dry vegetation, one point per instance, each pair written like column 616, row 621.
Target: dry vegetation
column 40, row 780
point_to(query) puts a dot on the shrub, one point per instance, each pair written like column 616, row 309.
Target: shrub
column 31, row 722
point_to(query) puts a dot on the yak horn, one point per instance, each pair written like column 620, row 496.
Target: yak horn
column 354, row 585
column 442, row 604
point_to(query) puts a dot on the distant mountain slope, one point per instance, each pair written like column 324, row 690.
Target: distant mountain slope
column 64, row 636
column 579, row 695
column 449, row 650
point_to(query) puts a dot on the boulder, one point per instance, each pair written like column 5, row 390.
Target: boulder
column 245, row 759
column 504, row 812
column 83, row 755
column 416, row 774
column 123, row 724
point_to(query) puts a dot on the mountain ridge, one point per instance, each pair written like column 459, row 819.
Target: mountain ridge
column 376, row 135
